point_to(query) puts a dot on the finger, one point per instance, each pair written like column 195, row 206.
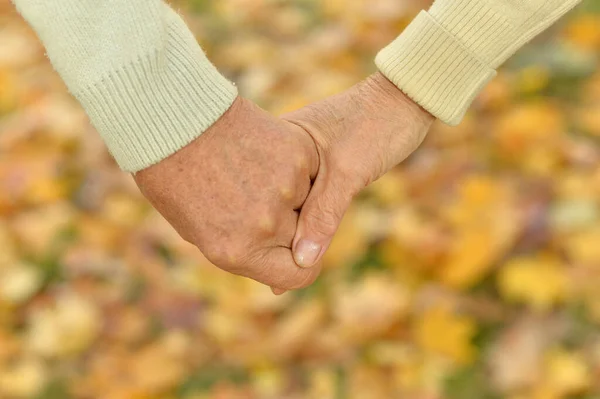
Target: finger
column 306, row 166
column 294, row 192
column 284, row 229
column 303, row 184
column 320, row 217
column 309, row 158
column 278, row 291
column 278, row 270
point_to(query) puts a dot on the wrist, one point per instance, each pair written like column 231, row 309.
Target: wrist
column 379, row 90
column 435, row 69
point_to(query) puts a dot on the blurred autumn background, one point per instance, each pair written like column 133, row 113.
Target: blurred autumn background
column 472, row 271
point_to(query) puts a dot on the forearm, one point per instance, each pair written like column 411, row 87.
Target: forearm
column 448, row 54
column 136, row 69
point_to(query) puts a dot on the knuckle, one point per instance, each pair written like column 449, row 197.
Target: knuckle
column 301, row 162
column 286, row 192
column 229, row 256
column 266, row 224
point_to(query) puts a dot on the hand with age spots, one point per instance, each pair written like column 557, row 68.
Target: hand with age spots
column 235, row 192
column 242, row 191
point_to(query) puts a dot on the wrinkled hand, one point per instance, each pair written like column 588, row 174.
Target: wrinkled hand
column 234, row 193
column 360, row 135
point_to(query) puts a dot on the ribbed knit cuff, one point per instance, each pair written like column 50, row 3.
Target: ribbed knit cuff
column 434, row 69
column 152, row 107
column 496, row 29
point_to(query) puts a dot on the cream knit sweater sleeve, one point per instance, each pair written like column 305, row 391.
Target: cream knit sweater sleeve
column 149, row 89
column 137, row 70
column 447, row 55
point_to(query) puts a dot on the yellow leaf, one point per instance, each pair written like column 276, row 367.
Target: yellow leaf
column 486, row 224
column 46, row 190
column 584, row 32
column 542, row 161
column 7, row 243
column 442, row 331
column 24, row 379
column 389, row 189
column 8, row 97
column 19, row 282
column 471, row 256
column 588, row 119
column 540, row 282
column 591, row 89
column 122, row 210
column 566, row 373
column 348, row 244
column 527, row 126
column 533, row 79
column 154, row 370
column 583, row 247
column 322, row 383
column 269, row 382
column 67, row 328
column 478, row 198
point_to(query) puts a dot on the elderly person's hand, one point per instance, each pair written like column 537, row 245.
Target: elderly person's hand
column 360, row 135
column 234, row 192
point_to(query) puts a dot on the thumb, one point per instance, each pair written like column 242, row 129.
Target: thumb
column 320, row 218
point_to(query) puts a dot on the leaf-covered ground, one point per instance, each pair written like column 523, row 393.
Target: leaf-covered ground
column 470, row 272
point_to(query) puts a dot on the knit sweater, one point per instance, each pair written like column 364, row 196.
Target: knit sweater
column 149, row 89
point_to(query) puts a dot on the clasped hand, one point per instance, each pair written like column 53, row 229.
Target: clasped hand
column 262, row 197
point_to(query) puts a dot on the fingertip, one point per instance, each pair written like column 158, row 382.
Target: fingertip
column 278, row 291
column 307, row 252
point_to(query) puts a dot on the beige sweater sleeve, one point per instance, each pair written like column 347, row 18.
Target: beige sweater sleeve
column 137, row 70
column 447, row 55
column 149, row 89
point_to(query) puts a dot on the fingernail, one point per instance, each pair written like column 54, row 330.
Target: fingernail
column 278, row 291
column 306, row 253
